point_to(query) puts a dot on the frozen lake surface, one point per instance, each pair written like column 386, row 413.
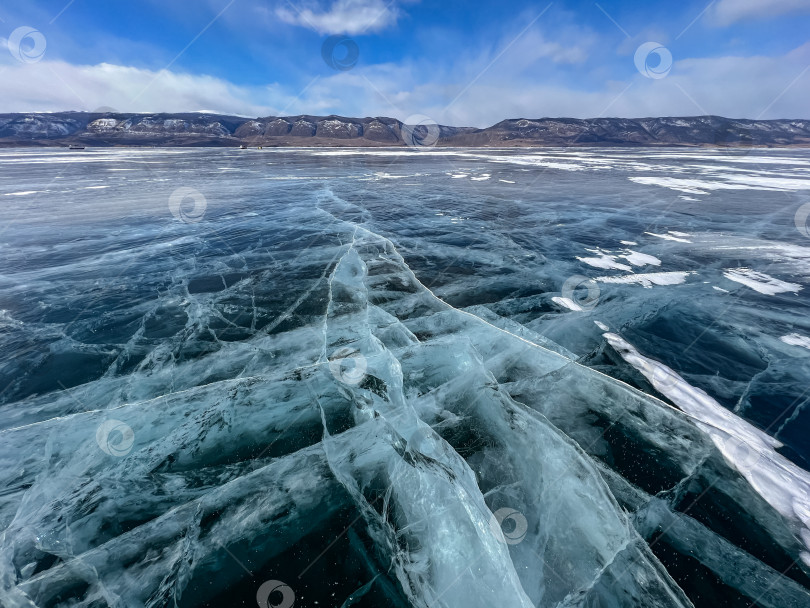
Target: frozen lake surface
column 393, row 377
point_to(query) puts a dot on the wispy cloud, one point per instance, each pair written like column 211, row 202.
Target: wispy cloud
column 726, row 12
column 341, row 16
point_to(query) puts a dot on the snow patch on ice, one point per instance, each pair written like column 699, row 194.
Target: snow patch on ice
column 567, row 303
column 726, row 182
column 690, row 186
column 548, row 162
column 649, row 279
column 759, row 281
column 641, row 259
column 605, row 261
column 671, row 236
column 796, row 340
column 739, row 247
column 758, row 182
column 383, row 175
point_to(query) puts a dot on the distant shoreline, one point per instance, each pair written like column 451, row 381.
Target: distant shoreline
column 360, row 146
column 113, row 129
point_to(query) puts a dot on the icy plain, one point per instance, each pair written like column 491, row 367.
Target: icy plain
column 342, row 377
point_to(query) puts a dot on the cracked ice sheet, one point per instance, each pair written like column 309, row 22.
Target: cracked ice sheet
column 442, row 545
column 449, row 522
column 286, row 375
column 465, row 392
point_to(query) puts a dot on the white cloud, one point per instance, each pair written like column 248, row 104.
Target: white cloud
column 733, row 86
column 54, row 85
column 342, row 17
column 739, row 87
column 535, row 47
column 726, row 12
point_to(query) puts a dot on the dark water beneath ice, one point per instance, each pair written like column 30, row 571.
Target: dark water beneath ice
column 289, row 402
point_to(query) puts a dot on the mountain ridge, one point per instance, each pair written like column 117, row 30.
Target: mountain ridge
column 104, row 129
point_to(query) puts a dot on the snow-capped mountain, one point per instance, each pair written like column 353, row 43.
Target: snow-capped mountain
column 206, row 129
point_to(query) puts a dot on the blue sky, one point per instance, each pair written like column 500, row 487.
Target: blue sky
column 457, row 62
